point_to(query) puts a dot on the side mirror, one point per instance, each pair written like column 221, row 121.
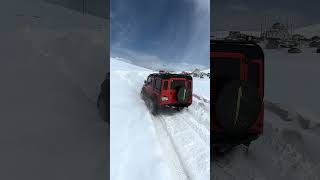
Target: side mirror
column 145, row 81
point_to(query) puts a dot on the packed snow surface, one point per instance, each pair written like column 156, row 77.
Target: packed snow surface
column 170, row 146
column 309, row 31
column 289, row 148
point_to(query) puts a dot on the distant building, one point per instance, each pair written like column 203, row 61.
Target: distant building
column 277, row 31
column 196, row 73
column 272, row 44
column 236, row 35
column 298, row 37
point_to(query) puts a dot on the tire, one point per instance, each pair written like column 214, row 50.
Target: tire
column 238, row 107
column 180, row 108
column 183, row 94
column 142, row 93
column 102, row 109
column 154, row 107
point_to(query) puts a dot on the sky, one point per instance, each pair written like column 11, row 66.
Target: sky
column 168, row 31
column 248, row 14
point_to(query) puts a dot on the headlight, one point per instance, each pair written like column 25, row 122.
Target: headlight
column 164, row 98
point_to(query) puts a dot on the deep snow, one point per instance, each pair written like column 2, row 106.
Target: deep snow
column 52, row 63
column 170, row 146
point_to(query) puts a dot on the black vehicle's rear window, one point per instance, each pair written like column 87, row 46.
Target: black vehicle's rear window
column 177, row 83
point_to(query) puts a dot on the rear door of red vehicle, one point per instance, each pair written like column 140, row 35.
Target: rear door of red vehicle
column 227, row 66
column 165, row 92
column 174, row 83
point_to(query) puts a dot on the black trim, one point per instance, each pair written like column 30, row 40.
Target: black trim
column 234, row 139
column 249, row 48
column 168, row 76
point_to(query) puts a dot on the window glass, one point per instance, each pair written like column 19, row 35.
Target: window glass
column 165, row 85
column 177, row 83
column 158, row 84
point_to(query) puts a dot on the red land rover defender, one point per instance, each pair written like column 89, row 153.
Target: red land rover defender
column 167, row 90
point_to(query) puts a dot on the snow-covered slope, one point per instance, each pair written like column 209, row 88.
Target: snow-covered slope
column 224, row 34
column 52, row 63
column 206, row 71
column 309, row 31
column 290, row 144
column 158, row 65
column 172, row 146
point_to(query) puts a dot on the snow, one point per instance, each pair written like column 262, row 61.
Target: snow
column 52, row 64
column 289, row 146
column 296, row 79
column 156, row 66
column 309, row 31
column 170, row 146
column 206, row 71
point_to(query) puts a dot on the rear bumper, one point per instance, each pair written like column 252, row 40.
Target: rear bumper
column 232, row 139
column 176, row 105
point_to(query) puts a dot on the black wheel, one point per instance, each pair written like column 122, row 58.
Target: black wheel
column 180, row 108
column 222, row 149
column 142, row 93
column 183, row 94
column 102, row 109
column 154, row 107
column 238, row 107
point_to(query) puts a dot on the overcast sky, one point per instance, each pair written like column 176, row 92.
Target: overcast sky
column 248, row 14
column 164, row 30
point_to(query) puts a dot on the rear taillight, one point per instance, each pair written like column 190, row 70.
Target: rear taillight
column 164, row 98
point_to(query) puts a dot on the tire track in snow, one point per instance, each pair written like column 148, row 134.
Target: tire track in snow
column 169, row 147
column 193, row 150
column 277, row 154
column 173, row 160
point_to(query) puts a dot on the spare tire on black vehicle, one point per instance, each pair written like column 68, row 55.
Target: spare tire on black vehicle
column 238, row 107
column 183, row 94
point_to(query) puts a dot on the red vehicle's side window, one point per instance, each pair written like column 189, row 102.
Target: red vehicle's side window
column 149, row 81
column 158, row 84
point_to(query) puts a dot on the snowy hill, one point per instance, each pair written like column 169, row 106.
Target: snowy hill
column 165, row 147
column 224, row 34
column 206, row 71
column 309, row 31
column 177, row 67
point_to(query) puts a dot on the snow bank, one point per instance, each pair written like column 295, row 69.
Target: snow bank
column 309, row 31
column 134, row 150
column 292, row 80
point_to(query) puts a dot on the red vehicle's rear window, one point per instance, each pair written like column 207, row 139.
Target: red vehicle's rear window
column 177, row 83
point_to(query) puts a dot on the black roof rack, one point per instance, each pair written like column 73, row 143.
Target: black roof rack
column 251, row 49
column 168, row 75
